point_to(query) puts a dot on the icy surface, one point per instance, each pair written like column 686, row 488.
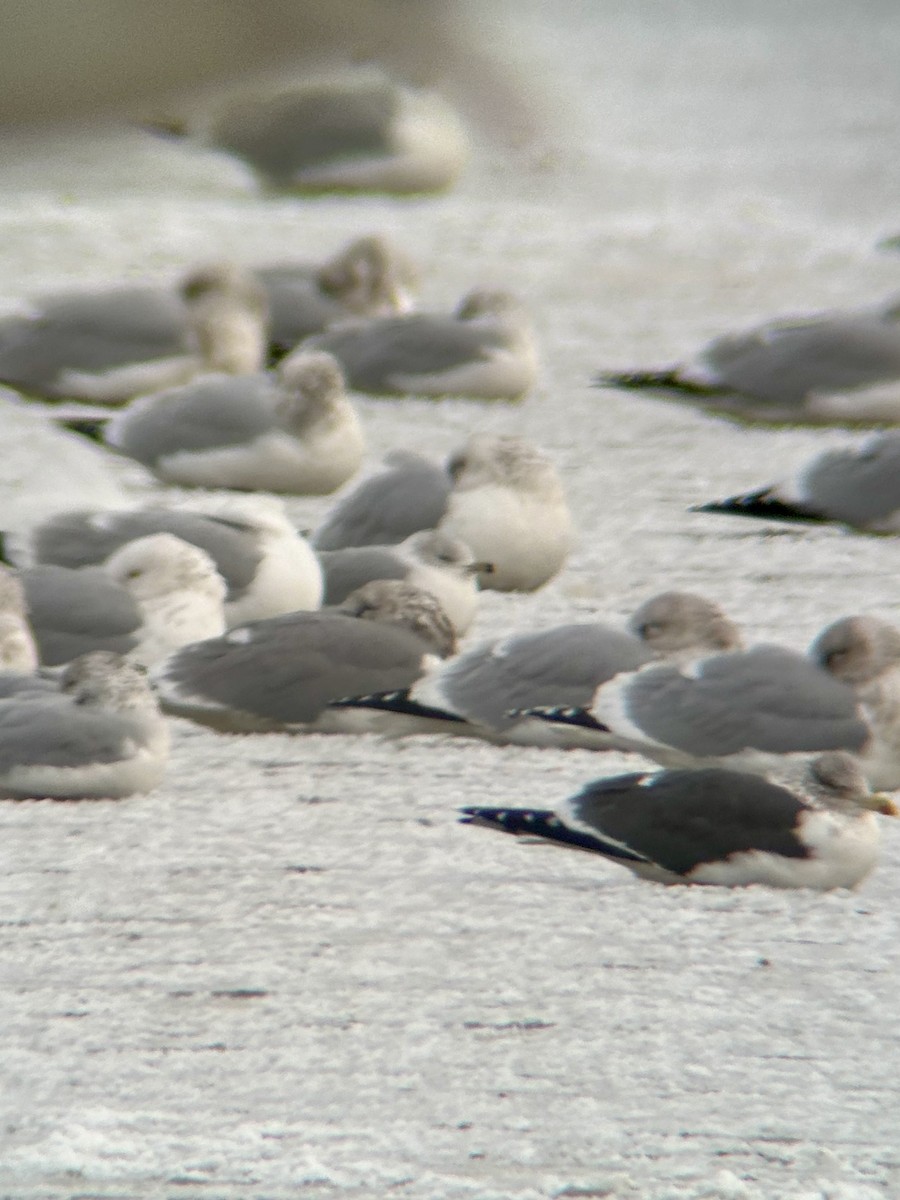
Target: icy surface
column 289, row 972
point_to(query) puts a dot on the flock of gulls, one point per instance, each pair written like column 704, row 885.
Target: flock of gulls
column 237, row 380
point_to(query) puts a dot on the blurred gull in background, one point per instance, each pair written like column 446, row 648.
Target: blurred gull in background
column 294, row 431
column 857, row 486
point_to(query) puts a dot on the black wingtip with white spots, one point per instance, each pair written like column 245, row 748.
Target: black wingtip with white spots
column 760, row 504
column 397, row 701
column 562, row 714
column 543, row 824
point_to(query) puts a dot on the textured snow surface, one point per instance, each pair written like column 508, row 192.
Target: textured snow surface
column 289, row 972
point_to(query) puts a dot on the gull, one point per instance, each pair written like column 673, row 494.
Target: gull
column 485, row 350
column 430, row 559
column 353, row 131
column 863, row 653
column 267, row 566
column 282, row 673
column 150, row 596
column 716, row 826
column 296, row 432
column 831, row 368
column 746, row 708
column 226, row 317
column 854, row 486
column 508, row 505
column 100, row 735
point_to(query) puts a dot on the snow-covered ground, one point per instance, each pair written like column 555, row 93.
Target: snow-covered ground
column 289, row 972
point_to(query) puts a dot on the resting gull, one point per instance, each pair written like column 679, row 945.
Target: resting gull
column 353, row 131
column 407, row 494
column 429, row 559
column 856, row 486
column 485, row 350
column 295, row 433
column 282, row 673
column 267, row 566
column 481, row 692
column 226, row 317
column 715, row 826
column 747, row 708
column 509, row 507
column 833, row 368
column 863, row 652
column 100, row 735
column 93, row 331
column 151, row 596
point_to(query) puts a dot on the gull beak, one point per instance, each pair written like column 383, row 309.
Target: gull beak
column 881, row 802
column 402, row 301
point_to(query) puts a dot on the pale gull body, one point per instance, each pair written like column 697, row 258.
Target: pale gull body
column 283, row 672
column 408, row 494
column 18, row 652
column 295, row 432
column 95, row 331
column 151, row 596
column 864, row 653
column 715, row 826
column 482, row 692
column 429, row 559
column 267, row 566
column 509, row 507
column 101, row 735
column 485, row 350
column 226, row 330
column 858, row 486
column 746, row 709
column 351, row 131
column 834, row 368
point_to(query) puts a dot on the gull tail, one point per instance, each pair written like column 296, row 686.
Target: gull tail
column 763, row 503
column 545, row 825
column 667, row 378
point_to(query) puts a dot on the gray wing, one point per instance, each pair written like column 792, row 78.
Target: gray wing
column 373, row 353
column 409, row 496
column 785, row 363
column 73, row 612
column 858, row 486
column 287, row 132
column 24, row 687
column 89, row 332
column 681, row 819
column 346, row 570
column 298, row 308
column 287, row 669
column 214, row 411
column 766, row 699
column 54, row 732
column 77, row 539
column 561, row 666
